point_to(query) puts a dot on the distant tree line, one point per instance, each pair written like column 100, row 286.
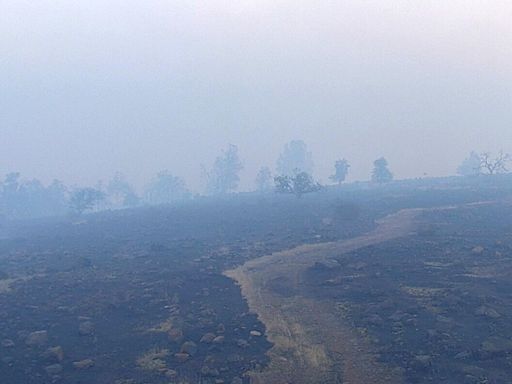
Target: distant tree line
column 27, row 198
column 295, row 171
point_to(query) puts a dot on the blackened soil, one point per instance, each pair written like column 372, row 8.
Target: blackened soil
column 437, row 305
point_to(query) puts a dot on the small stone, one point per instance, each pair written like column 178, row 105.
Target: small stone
column 397, row 316
column 37, row 338
column 209, row 372
column 182, row 357
column 497, row 345
column 375, row 319
column 8, row 343
column 462, row 355
column 423, row 359
column 83, row 364
column 175, row 335
column 171, row 374
column 53, row 369
column 234, row 358
column 242, row 343
column 55, row 353
column 478, row 249
column 86, row 328
column 8, row 360
column 208, row 338
column 189, row 347
column 218, row 340
column 487, row 312
column 255, row 333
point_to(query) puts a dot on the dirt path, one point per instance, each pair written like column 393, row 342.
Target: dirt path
column 312, row 344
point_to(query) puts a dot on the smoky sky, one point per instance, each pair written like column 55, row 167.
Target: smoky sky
column 88, row 88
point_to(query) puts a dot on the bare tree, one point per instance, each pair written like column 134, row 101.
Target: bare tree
column 493, row 165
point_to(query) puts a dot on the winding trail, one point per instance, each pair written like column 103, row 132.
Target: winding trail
column 312, row 343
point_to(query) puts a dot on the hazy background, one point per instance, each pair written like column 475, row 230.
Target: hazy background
column 91, row 87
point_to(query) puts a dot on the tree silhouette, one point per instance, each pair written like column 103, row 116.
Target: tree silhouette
column 341, row 170
column 381, row 173
column 298, row 185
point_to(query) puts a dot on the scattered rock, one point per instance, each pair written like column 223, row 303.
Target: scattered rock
column 53, row 369
column 397, row 316
column 54, row 353
column 37, row 338
column 8, row 343
column 234, row 358
column 189, row 348
column 487, row 312
column 153, row 360
column 462, row 355
column 175, row 335
column 472, row 370
column 432, row 333
column 86, row 328
column 208, row 338
column 423, row 361
column 358, row 266
column 218, row 340
column 8, row 360
column 171, row 374
column 375, row 319
column 478, row 249
column 255, row 333
column 497, row 345
column 209, row 372
column 182, row 357
column 83, row 364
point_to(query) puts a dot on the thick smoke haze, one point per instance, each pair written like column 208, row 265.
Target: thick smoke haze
column 88, row 88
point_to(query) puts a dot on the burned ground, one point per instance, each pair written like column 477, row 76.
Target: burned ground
column 139, row 296
column 435, row 305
